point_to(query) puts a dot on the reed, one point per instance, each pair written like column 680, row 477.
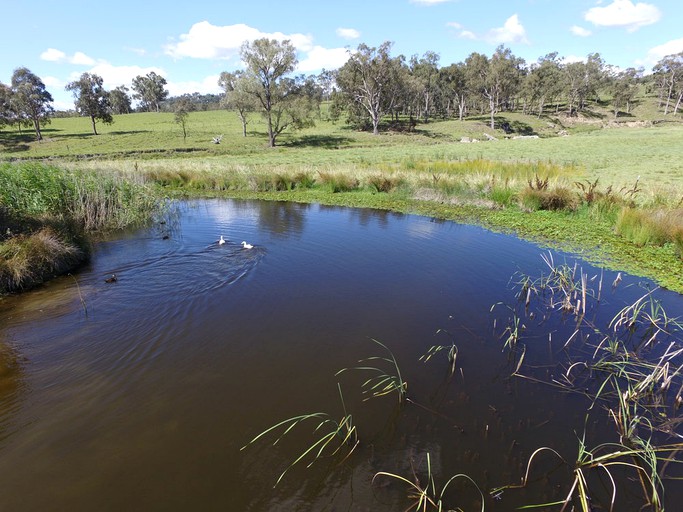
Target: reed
column 385, row 378
column 424, row 492
column 620, row 374
column 334, row 437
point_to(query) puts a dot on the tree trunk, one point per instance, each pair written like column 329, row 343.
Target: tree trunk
column 36, row 125
column 678, row 103
column 92, row 121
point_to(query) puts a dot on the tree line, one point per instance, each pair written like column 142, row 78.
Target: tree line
column 371, row 88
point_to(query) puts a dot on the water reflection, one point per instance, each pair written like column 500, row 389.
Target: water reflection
column 139, row 394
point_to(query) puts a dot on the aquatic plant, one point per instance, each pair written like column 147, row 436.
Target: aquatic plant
column 384, row 380
column 334, row 436
column 424, row 492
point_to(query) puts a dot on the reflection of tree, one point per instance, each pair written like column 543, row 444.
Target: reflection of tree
column 282, row 218
column 382, row 217
column 11, row 373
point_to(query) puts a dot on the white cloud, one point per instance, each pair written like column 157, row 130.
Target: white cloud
column 81, row 59
column 208, row 85
column 512, row 31
column 51, row 81
column 207, row 41
column 78, row 58
column 454, row 24
column 654, row 55
column 348, row 33
column 113, row 76
column 53, row 55
column 467, row 34
column 624, row 13
column 580, row 31
column 319, row 58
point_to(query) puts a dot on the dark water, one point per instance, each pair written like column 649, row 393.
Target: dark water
column 139, row 394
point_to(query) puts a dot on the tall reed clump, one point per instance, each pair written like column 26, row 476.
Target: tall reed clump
column 652, row 227
column 46, row 214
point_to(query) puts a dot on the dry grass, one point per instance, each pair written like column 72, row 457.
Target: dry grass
column 27, row 260
column 652, row 227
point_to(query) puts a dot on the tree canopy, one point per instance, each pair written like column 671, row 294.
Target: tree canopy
column 282, row 100
column 91, row 99
column 150, row 90
column 30, row 101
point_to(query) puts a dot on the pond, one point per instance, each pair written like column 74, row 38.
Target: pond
column 139, row 393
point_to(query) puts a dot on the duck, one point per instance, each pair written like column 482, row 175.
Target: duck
column 246, row 245
column 221, row 241
column 111, row 279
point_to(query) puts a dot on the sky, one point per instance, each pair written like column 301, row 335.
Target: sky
column 191, row 43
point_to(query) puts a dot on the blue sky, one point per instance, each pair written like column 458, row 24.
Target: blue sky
column 190, row 43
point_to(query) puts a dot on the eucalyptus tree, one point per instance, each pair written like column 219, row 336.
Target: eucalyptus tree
column 6, row 114
column 120, row 100
column 669, row 70
column 543, row 82
column 31, row 102
column 181, row 110
column 425, row 71
column 150, row 90
column 370, row 81
column 624, row 87
column 236, row 96
column 91, row 99
column 453, row 88
column 283, row 101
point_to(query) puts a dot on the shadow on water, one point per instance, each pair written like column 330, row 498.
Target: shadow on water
column 157, row 380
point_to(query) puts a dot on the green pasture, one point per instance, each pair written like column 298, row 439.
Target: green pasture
column 597, row 167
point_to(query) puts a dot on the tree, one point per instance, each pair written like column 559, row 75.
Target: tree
column 120, row 100
column 453, row 88
column 182, row 109
column 91, row 99
column 150, row 90
column 624, row 86
column 670, row 71
column 283, row 101
column 425, row 70
column 31, row 101
column 367, row 79
column 6, row 114
column 543, row 82
column 237, row 97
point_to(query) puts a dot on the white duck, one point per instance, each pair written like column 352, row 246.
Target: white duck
column 247, row 246
column 221, row 241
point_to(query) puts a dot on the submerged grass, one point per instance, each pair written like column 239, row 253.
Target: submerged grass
column 633, row 373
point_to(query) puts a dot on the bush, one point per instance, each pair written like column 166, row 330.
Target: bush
column 652, row 227
column 559, row 198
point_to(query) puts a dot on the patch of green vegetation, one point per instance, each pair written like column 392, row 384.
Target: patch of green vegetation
column 48, row 216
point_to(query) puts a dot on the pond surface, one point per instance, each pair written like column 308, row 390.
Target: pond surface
column 138, row 394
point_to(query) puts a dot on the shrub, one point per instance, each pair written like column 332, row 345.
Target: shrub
column 559, row 198
column 338, row 182
column 383, row 183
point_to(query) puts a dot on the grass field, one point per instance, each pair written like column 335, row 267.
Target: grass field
column 637, row 162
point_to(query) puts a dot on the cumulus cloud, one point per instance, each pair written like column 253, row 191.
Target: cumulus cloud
column 348, row 33
column 462, row 33
column 113, row 76
column 624, row 13
column 654, row 55
column 209, row 85
column 580, row 31
column 78, row 58
column 319, row 58
column 53, row 55
column 512, row 31
column 207, row 41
